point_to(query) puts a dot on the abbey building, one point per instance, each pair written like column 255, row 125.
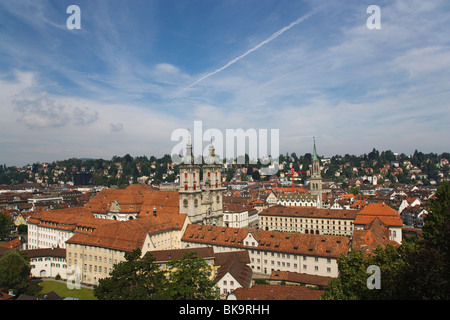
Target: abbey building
column 200, row 191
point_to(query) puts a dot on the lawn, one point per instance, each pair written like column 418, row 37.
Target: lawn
column 64, row 292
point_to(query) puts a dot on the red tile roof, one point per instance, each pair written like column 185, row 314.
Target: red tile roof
column 136, row 198
column 67, row 219
column 128, row 235
column 386, row 214
column 374, row 234
column 14, row 243
column 302, row 278
column 236, row 264
column 46, row 252
column 277, row 292
column 299, row 243
column 167, row 255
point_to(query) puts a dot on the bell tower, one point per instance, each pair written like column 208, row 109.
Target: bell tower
column 316, row 177
column 212, row 178
column 190, row 193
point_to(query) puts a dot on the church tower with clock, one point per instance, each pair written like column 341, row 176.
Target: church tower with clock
column 190, row 193
column 316, row 177
column 201, row 199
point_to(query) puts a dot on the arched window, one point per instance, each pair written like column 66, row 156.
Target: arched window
column 195, row 187
column 185, row 174
column 185, row 187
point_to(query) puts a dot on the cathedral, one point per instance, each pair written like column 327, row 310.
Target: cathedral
column 201, row 198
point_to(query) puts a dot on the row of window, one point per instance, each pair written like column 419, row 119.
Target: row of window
column 105, row 260
column 93, row 248
column 305, row 268
column 322, row 221
column 53, row 265
column 91, row 258
column 301, row 204
column 306, row 227
column 48, row 259
column 286, row 256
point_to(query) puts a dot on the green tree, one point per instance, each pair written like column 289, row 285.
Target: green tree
column 5, row 225
column 427, row 269
column 355, row 191
column 14, row 271
column 190, row 279
column 438, row 215
column 352, row 281
column 414, row 270
column 135, row 278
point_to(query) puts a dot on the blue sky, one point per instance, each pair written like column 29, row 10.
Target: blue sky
column 138, row 70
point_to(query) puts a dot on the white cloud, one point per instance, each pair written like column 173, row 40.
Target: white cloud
column 351, row 87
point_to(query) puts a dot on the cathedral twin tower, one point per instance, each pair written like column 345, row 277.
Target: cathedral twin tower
column 202, row 203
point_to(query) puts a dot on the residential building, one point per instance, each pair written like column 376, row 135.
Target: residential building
column 51, row 229
column 310, row 220
column 298, row 200
column 94, row 254
column 48, row 262
column 272, row 199
column 272, row 250
column 239, row 216
column 229, row 270
column 373, row 235
column 414, row 216
column 386, row 214
column 234, row 271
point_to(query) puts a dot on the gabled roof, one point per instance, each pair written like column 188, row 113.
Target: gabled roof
column 139, row 199
column 128, row 235
column 12, row 244
column 61, row 218
column 46, row 252
column 386, row 214
column 167, row 255
column 77, row 219
column 236, row 264
column 303, row 278
column 374, row 234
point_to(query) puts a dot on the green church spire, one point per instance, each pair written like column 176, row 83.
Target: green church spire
column 315, row 157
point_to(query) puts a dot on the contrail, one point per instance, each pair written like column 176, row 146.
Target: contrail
column 272, row 37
